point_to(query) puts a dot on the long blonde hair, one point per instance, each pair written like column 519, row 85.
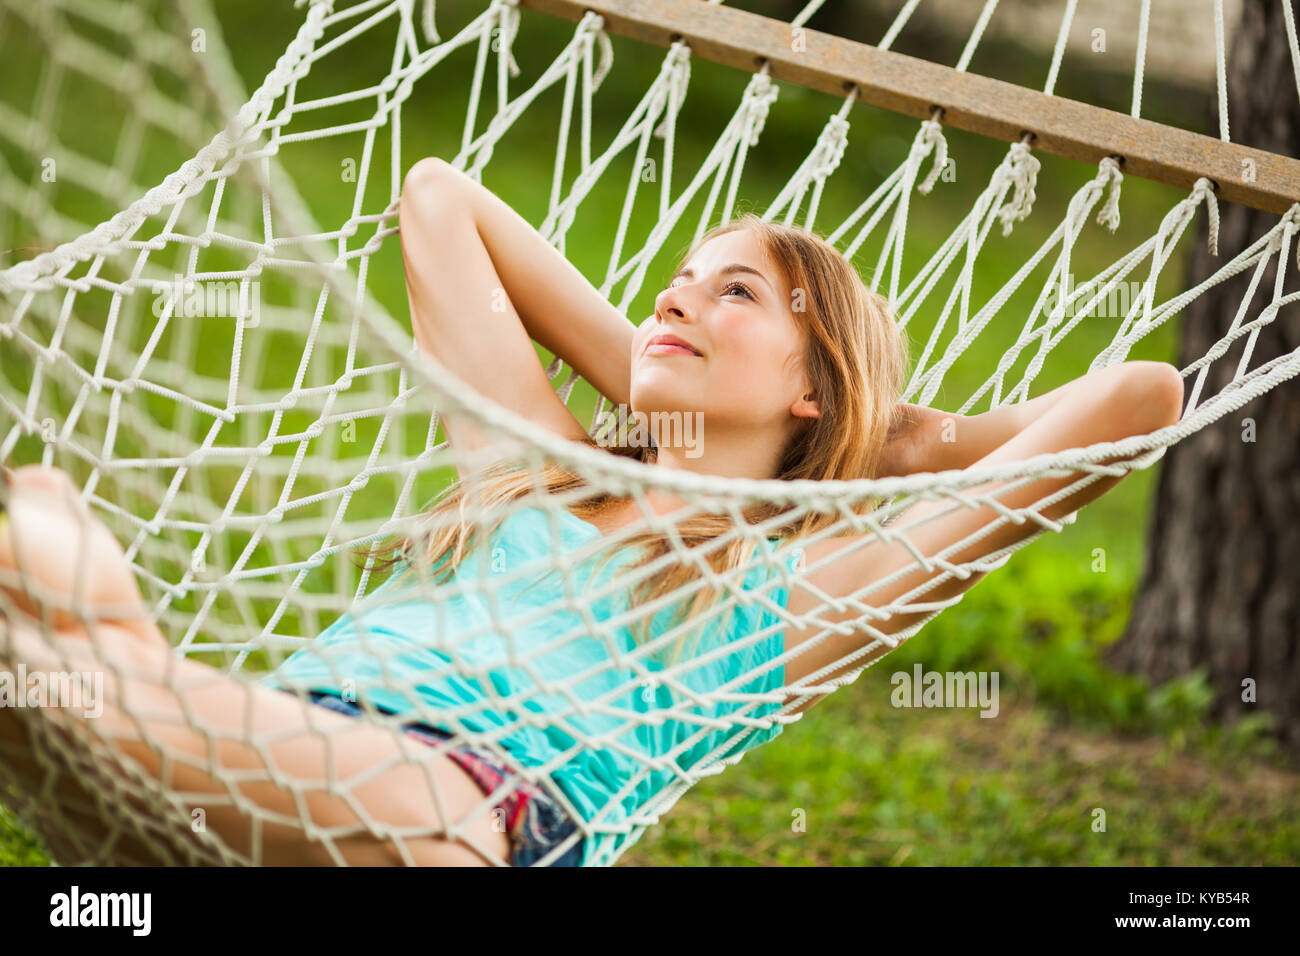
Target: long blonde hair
column 856, row 361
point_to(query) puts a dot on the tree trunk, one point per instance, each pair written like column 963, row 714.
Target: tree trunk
column 1221, row 583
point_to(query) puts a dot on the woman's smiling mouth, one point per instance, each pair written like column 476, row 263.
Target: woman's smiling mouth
column 670, row 345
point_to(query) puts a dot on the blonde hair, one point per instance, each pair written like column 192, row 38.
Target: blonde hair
column 856, row 360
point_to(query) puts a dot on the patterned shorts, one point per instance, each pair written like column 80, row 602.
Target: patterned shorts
column 536, row 824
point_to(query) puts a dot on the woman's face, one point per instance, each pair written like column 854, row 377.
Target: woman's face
column 743, row 365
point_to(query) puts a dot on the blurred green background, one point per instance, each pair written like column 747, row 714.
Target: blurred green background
column 875, row 784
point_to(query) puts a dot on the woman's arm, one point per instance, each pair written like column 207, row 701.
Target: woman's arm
column 474, row 271
column 1135, row 398
column 931, row 440
column 558, row 307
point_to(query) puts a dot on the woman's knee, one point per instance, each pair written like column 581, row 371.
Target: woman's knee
column 431, row 186
column 440, row 810
column 55, row 554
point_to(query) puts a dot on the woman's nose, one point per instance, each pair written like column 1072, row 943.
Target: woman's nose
column 669, row 303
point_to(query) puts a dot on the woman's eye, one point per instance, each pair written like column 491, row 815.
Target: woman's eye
column 730, row 288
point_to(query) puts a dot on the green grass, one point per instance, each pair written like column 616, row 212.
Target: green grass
column 877, row 784
column 17, row 846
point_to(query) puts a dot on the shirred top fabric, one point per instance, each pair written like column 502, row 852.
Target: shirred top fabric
column 550, row 675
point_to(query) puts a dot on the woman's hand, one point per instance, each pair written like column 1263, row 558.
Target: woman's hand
column 910, row 432
column 925, row 439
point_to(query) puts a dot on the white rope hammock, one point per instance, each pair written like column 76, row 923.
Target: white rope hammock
column 241, row 461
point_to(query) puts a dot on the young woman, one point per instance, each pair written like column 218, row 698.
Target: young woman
column 766, row 332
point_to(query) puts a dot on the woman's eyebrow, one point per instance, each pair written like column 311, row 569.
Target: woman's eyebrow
column 735, row 267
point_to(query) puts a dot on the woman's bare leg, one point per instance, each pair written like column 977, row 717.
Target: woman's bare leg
column 64, row 785
column 72, row 800
column 257, row 762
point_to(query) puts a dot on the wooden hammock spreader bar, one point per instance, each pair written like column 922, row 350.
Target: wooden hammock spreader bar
column 994, row 108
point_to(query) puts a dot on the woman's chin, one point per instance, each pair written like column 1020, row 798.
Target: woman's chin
column 658, row 393
column 662, row 405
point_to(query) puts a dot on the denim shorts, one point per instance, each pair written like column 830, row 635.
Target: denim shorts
column 535, row 822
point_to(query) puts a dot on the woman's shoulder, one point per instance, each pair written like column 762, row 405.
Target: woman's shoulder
column 773, row 567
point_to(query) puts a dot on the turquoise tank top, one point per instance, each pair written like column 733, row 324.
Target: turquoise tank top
column 582, row 725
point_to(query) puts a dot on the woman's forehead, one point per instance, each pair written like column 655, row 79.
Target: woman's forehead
column 741, row 246
column 743, row 243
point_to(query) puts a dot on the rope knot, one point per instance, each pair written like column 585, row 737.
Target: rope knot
column 1110, row 173
column 831, row 144
column 593, row 25
column 1293, row 216
column 1024, row 176
column 762, row 93
column 1204, row 190
column 508, row 18
column 677, row 64
column 929, row 139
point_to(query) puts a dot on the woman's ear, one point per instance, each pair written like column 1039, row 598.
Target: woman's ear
column 806, row 406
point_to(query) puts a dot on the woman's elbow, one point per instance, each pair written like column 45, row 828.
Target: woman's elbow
column 1154, row 394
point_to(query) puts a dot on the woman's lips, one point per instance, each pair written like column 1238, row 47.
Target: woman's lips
column 663, row 348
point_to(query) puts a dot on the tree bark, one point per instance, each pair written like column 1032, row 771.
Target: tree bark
column 1221, row 582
